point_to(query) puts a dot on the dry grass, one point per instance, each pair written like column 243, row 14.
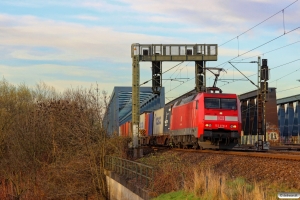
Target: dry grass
column 208, row 185
column 262, row 178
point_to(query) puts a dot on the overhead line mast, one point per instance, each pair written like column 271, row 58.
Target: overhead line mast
column 262, row 90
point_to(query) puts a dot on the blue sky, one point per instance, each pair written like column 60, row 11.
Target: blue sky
column 78, row 43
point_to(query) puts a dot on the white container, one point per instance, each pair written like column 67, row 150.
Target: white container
column 142, row 121
column 158, row 122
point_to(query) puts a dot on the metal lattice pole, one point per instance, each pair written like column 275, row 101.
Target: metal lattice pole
column 135, row 98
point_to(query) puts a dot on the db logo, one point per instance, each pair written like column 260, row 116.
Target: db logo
column 221, row 118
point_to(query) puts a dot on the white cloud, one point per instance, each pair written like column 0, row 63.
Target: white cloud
column 86, row 17
column 44, row 70
column 101, row 5
column 262, row 1
column 59, row 76
column 72, row 41
column 226, row 16
column 62, row 85
column 32, row 38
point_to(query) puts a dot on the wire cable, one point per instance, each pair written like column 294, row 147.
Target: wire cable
column 270, row 51
column 285, row 64
column 262, row 45
column 259, row 55
column 270, row 69
column 284, row 76
column 238, row 44
column 283, row 21
column 163, row 72
column 258, row 24
column 288, row 89
column 238, row 80
column 180, row 85
column 253, row 48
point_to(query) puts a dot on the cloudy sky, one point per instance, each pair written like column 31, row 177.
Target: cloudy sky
column 80, row 43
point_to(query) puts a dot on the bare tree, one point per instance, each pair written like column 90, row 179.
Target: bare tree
column 53, row 145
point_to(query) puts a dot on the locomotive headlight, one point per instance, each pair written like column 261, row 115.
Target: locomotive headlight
column 207, row 125
column 232, row 126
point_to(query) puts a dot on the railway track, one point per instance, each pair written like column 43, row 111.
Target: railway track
column 273, row 166
column 271, row 154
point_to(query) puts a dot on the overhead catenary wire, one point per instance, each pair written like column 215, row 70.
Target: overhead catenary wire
column 251, row 75
column 288, row 89
column 256, row 26
column 258, row 23
column 283, row 21
column 176, row 78
column 237, row 80
column 263, row 55
column 284, row 76
column 285, row 63
column 271, row 50
column 261, row 45
column 251, row 107
column 238, row 43
column 162, row 73
column 180, row 85
column 270, row 69
column 243, row 75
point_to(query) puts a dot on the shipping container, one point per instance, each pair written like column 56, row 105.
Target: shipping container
column 142, row 124
column 147, row 124
column 158, row 122
column 150, row 124
column 127, row 128
column 167, row 119
column 120, row 130
column 129, row 132
column 142, row 121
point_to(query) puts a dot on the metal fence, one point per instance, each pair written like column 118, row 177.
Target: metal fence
column 138, row 172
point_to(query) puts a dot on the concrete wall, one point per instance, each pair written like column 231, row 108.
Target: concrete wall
column 120, row 189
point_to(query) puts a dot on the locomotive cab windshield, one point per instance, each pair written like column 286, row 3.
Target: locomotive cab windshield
column 217, row 103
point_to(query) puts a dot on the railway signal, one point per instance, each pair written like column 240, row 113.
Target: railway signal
column 264, row 77
column 156, row 77
column 200, row 76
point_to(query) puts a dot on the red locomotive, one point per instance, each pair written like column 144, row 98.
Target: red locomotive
column 201, row 120
column 206, row 120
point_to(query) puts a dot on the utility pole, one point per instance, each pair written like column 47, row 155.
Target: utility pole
column 260, row 101
column 263, row 77
column 259, row 104
column 135, row 98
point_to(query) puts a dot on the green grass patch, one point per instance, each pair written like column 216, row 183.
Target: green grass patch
column 179, row 195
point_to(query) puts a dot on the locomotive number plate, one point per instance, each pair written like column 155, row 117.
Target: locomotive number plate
column 221, row 126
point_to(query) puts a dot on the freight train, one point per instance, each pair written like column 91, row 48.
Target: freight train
column 205, row 120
